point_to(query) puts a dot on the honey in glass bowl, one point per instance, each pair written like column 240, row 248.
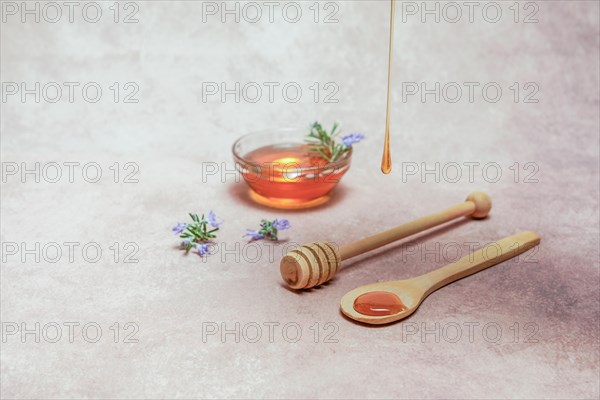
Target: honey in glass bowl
column 281, row 171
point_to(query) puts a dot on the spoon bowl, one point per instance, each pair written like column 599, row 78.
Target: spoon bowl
column 410, row 295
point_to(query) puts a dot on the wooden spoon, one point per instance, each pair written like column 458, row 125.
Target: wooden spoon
column 385, row 302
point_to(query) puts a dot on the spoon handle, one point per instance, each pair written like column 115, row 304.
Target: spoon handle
column 491, row 254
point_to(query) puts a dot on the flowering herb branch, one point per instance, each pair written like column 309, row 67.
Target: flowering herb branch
column 268, row 229
column 197, row 234
column 324, row 143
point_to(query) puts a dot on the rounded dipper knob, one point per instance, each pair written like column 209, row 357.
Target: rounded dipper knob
column 483, row 204
column 310, row 265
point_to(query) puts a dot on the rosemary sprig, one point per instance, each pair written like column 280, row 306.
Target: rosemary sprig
column 324, row 143
column 197, row 234
column 268, row 229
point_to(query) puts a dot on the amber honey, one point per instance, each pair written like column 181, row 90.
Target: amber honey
column 378, row 304
column 288, row 175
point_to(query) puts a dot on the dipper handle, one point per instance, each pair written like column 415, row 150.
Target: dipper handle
column 477, row 205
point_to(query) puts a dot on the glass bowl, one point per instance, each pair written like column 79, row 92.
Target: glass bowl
column 280, row 171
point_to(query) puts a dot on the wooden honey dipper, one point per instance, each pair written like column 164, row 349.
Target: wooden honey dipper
column 313, row 264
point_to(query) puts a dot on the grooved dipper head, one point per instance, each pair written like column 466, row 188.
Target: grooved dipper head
column 310, row 265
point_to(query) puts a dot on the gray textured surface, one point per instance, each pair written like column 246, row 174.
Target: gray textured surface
column 171, row 131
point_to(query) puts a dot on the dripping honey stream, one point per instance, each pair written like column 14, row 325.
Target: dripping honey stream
column 386, row 160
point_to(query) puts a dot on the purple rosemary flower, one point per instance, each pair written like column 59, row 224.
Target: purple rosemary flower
column 254, row 234
column 179, row 228
column 352, row 138
column 212, row 219
column 281, row 224
column 202, row 248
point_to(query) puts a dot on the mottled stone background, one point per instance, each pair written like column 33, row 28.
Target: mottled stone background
column 527, row 328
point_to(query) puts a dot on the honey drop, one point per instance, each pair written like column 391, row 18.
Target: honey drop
column 386, row 160
column 378, row 304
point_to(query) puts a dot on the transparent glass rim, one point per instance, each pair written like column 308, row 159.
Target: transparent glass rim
column 338, row 164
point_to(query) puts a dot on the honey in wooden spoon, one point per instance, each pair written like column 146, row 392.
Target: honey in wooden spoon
column 378, row 303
